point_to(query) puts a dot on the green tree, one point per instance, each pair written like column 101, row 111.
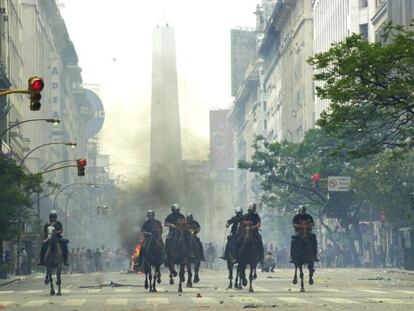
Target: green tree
column 16, row 190
column 370, row 87
column 286, row 172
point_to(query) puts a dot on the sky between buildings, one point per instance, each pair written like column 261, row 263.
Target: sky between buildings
column 113, row 40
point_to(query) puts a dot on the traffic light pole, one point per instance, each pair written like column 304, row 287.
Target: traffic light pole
column 57, row 168
column 15, row 91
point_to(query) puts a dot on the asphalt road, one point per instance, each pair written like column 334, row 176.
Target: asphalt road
column 339, row 289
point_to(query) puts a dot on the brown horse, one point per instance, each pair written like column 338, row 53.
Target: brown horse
column 303, row 253
column 248, row 253
column 152, row 258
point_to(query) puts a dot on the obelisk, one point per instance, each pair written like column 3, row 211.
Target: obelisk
column 166, row 169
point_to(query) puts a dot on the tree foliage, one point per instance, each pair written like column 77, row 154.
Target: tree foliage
column 370, row 87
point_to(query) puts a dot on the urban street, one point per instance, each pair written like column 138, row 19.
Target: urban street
column 334, row 289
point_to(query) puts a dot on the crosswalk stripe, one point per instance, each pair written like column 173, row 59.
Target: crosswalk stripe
column 35, row 303
column 260, row 289
column 6, row 303
column 373, row 291
column 340, row 300
column 385, row 300
column 247, row 300
column 207, row 300
column 34, row 291
column 39, row 277
column 157, row 300
column 94, row 290
column 116, row 301
column 4, row 292
column 161, row 289
column 192, row 289
column 123, row 290
column 409, row 292
column 333, row 290
column 74, row 302
column 293, row 300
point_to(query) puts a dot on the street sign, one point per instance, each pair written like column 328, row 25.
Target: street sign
column 339, row 183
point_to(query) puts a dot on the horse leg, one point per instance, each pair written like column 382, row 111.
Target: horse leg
column 302, row 288
column 47, row 276
column 251, row 279
column 196, row 270
column 52, row 290
column 158, row 272
column 238, row 278
column 58, row 279
column 243, row 274
column 150, row 278
column 295, row 277
column 146, row 276
column 230, row 268
column 182, row 279
column 190, row 275
column 311, row 271
column 155, row 279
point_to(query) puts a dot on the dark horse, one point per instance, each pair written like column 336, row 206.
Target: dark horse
column 196, row 255
column 153, row 249
column 248, row 253
column 303, row 254
column 178, row 254
column 231, row 262
column 53, row 260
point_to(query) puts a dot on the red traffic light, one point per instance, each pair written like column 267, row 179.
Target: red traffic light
column 82, row 162
column 36, row 84
column 316, row 177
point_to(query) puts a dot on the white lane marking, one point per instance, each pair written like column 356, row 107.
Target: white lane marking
column 333, row 290
column 116, row 301
column 408, row 292
column 340, row 300
column 260, row 289
column 157, row 300
column 6, row 303
column 94, row 290
column 4, row 292
column 123, row 290
column 160, row 289
column 192, row 290
column 373, row 291
column 206, row 300
column 293, row 300
column 387, row 300
column 74, row 302
column 39, row 277
column 247, row 300
column 34, row 291
column 35, row 303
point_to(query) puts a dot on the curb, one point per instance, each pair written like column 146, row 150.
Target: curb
column 409, row 272
column 10, row 282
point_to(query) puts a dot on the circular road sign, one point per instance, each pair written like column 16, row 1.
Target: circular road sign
column 96, row 114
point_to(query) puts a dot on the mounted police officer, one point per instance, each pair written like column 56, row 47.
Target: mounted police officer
column 151, row 227
column 170, row 222
column 231, row 238
column 256, row 223
column 195, row 227
column 298, row 219
column 58, row 231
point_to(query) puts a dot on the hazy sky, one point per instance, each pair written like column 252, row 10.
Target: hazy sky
column 113, row 40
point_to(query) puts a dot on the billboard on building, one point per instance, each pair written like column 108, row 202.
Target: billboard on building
column 221, row 140
column 243, row 48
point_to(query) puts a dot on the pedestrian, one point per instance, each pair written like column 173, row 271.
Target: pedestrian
column 269, row 263
column 24, row 263
column 98, row 260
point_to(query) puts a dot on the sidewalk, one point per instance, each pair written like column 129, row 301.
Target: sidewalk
column 11, row 278
column 395, row 270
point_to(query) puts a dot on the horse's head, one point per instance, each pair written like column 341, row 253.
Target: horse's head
column 50, row 232
column 305, row 228
column 181, row 227
column 246, row 228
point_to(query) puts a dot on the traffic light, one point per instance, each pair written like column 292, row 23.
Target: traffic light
column 36, row 86
column 81, row 163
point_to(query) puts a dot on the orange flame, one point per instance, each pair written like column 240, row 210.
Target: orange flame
column 137, row 252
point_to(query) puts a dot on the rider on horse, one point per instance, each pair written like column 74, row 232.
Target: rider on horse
column 298, row 219
column 170, row 222
column 253, row 217
column 58, row 230
column 195, row 227
column 152, row 227
column 234, row 221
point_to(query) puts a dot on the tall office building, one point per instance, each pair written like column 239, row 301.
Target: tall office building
column 166, row 169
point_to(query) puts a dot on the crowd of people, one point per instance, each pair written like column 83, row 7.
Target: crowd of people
column 86, row 260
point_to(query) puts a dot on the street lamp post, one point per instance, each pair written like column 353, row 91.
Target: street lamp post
column 54, row 121
column 70, row 144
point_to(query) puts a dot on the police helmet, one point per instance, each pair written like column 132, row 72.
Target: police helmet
column 301, row 209
column 175, row 208
column 150, row 214
column 238, row 210
column 252, row 207
column 52, row 213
